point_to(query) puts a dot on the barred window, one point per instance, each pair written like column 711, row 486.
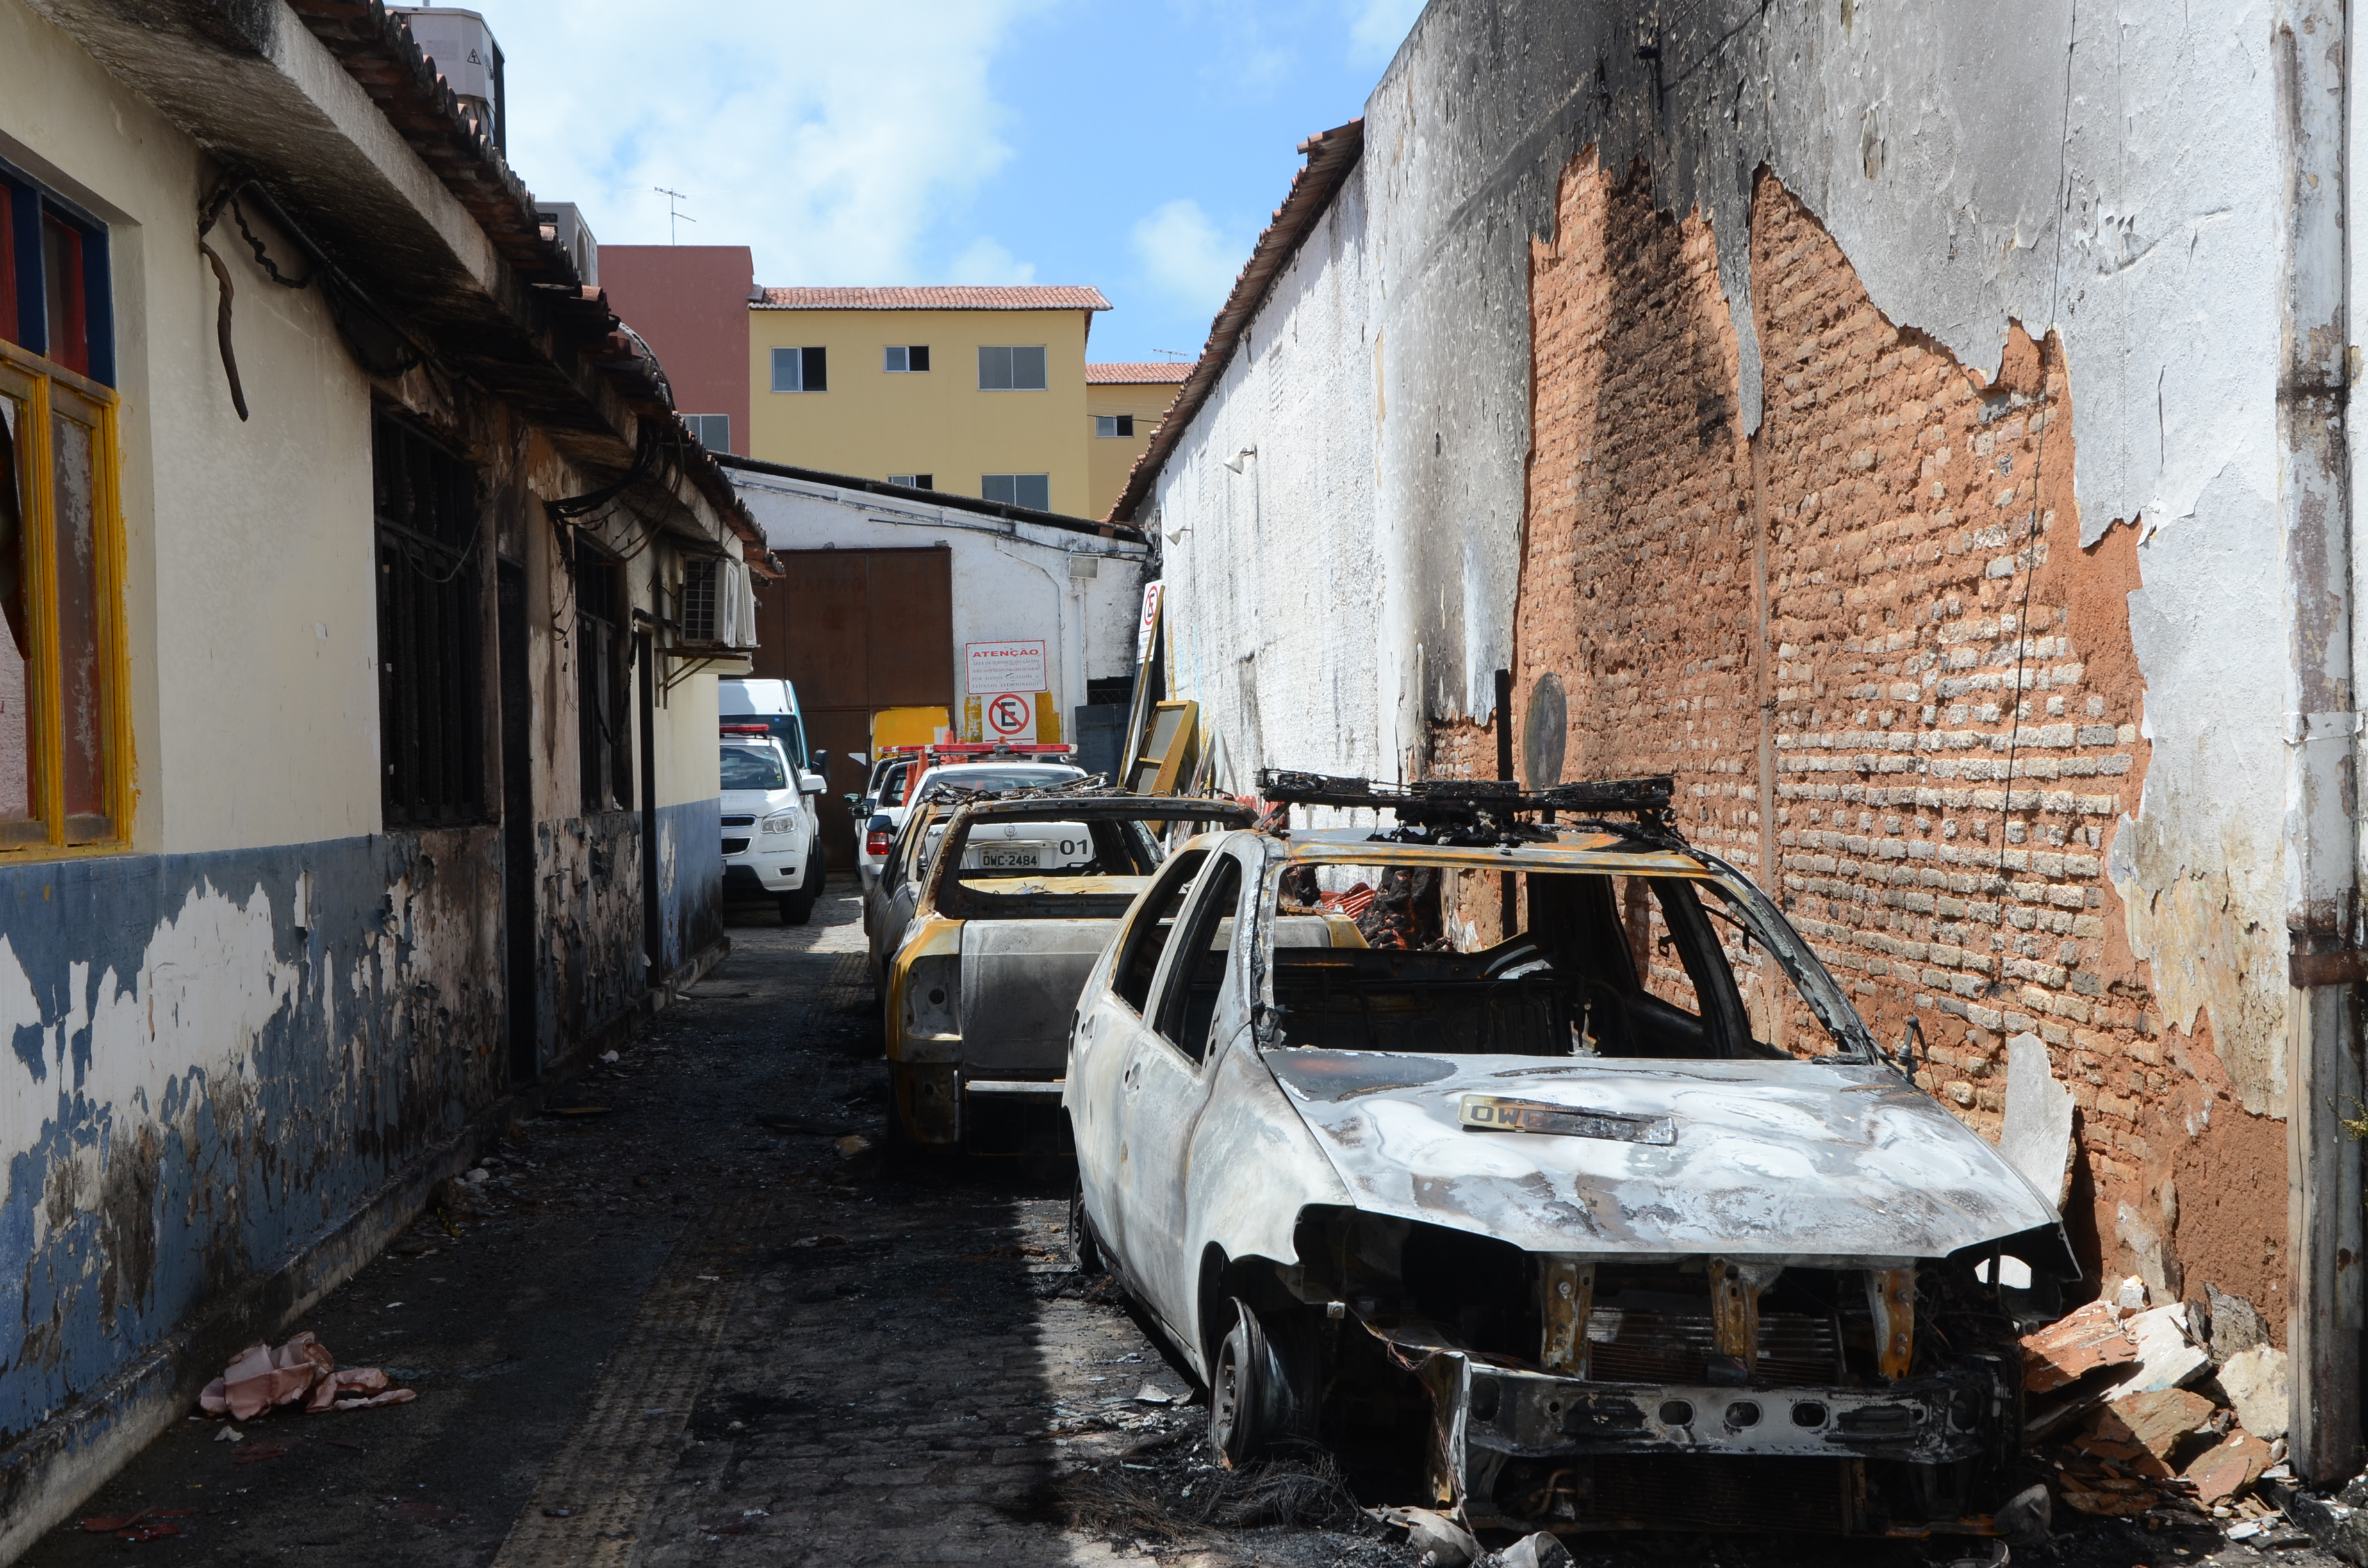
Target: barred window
column 603, row 657
column 431, row 632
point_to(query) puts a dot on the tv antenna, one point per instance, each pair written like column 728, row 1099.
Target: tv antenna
column 674, row 218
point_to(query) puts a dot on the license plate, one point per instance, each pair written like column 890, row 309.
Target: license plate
column 1018, row 858
column 1488, row 1113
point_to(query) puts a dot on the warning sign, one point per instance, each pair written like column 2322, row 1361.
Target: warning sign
column 1008, row 716
column 992, row 667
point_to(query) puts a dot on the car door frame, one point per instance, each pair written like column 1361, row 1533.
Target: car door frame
column 1162, row 1103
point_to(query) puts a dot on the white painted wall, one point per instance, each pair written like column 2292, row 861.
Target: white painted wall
column 1011, row 581
column 251, row 604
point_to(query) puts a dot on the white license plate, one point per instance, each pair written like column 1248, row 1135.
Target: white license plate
column 1018, row 858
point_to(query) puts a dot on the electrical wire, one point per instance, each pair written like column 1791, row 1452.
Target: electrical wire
column 2047, row 423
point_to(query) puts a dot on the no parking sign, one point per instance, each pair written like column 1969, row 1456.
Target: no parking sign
column 1008, row 716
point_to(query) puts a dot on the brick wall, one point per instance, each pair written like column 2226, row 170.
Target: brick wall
column 1867, row 643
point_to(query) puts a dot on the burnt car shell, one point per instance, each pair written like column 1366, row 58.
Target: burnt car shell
column 1732, row 1292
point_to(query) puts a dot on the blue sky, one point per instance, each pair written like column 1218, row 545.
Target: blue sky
column 1136, row 147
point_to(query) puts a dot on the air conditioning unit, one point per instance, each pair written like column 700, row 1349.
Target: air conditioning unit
column 717, row 604
column 575, row 235
column 468, row 59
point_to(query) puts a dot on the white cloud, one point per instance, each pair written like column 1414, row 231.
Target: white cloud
column 834, row 140
column 1185, row 254
column 1378, row 27
column 987, row 262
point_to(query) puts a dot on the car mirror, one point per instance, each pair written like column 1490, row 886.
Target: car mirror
column 819, row 759
column 811, row 783
column 854, row 801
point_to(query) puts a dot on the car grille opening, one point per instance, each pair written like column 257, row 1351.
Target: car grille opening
column 734, row 846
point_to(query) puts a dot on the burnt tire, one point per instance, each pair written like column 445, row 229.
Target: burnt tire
column 1084, row 1251
column 1249, row 1394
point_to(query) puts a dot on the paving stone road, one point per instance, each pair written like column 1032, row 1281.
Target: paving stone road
column 684, row 1325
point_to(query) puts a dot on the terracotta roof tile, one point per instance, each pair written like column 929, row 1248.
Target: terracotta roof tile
column 954, row 297
column 1136, row 372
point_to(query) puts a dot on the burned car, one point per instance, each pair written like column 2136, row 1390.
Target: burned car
column 1014, row 897
column 1574, row 1194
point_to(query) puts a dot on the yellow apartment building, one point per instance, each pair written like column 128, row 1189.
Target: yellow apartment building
column 1125, row 401
column 976, row 390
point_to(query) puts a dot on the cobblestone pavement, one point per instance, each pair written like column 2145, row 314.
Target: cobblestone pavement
column 684, row 1322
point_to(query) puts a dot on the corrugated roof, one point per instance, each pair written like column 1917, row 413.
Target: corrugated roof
column 1330, row 155
column 944, row 297
column 1136, row 372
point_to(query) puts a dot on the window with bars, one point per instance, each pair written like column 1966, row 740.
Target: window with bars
column 431, row 631
column 603, row 662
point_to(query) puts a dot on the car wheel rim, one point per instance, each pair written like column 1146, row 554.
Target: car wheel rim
column 1225, row 1402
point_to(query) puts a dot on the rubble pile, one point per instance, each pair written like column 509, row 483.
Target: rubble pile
column 2147, row 1410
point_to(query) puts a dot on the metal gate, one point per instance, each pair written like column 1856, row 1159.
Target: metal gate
column 858, row 631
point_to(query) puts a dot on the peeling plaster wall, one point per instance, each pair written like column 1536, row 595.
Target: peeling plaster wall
column 240, row 1053
column 1927, row 143
column 215, row 1060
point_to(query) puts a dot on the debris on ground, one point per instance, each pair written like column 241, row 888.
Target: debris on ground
column 264, row 1377
column 2162, row 1412
column 1437, row 1541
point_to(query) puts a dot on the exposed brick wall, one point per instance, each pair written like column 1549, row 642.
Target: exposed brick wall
column 1866, row 642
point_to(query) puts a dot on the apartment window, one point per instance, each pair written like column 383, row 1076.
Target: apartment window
column 431, row 631
column 713, row 430
column 65, row 749
column 55, row 297
column 801, row 370
column 603, row 661
column 1011, row 369
column 1108, row 424
column 908, row 358
column 1032, row 490
column 915, row 480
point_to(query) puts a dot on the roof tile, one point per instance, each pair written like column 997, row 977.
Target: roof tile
column 1136, row 372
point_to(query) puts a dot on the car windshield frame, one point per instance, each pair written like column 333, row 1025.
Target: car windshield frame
column 1585, row 852
column 948, row 889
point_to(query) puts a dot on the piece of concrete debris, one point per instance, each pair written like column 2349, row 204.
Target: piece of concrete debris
column 2131, row 1297
column 854, row 1144
column 2168, row 1356
column 478, row 1177
column 1152, row 1393
column 2026, row 1518
column 2074, row 1346
column 2108, row 1497
column 2144, row 1432
column 2237, row 1324
column 2228, row 1468
column 2037, row 1136
column 1438, row 1541
column 229, row 1435
column 1539, row 1551
column 2254, row 1380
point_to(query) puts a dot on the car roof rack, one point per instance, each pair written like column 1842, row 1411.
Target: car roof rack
column 1486, row 810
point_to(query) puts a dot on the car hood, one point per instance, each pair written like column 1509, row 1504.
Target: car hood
column 758, row 803
column 1791, row 1159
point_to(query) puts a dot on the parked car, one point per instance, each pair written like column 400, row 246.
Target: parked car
column 895, row 894
column 1622, row 1220
column 1013, row 899
column 875, row 829
column 772, row 843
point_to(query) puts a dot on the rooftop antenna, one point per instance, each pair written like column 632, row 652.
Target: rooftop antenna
column 1177, row 353
column 673, row 218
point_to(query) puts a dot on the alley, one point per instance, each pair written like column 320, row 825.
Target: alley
column 683, row 1323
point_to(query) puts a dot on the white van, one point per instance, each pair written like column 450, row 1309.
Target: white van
column 772, row 833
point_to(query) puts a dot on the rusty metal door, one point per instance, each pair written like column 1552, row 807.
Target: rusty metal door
column 856, row 630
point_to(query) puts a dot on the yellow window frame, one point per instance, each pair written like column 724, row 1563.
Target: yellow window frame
column 44, row 390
